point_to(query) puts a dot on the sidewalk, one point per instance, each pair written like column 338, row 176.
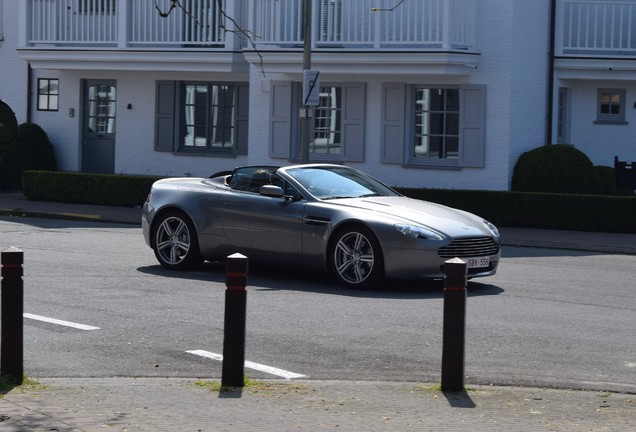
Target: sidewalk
column 171, row 405
column 15, row 204
column 187, row 404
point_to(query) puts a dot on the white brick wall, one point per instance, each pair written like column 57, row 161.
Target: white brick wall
column 513, row 39
column 13, row 70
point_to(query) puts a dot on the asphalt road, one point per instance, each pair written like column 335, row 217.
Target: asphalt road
column 549, row 317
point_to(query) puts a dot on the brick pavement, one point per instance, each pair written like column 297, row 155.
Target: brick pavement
column 173, row 404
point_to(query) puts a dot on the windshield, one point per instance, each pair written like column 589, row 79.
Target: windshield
column 339, row 182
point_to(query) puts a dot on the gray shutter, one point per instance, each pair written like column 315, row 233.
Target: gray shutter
column 353, row 115
column 393, row 123
column 280, row 119
column 242, row 115
column 165, row 116
column 472, row 126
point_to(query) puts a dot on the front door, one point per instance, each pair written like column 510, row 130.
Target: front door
column 98, row 125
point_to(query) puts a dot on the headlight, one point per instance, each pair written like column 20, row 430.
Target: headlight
column 493, row 229
column 415, row 231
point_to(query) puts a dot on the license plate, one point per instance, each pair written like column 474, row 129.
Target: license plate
column 477, row 262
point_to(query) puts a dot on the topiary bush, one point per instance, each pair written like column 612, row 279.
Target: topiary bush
column 607, row 176
column 31, row 150
column 558, row 168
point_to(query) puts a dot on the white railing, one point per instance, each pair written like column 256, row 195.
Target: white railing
column 364, row 24
column 126, row 23
column 600, row 27
column 433, row 24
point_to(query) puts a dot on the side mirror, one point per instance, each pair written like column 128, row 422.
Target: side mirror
column 271, row 191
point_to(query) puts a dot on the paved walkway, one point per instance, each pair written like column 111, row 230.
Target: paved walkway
column 158, row 404
column 171, row 404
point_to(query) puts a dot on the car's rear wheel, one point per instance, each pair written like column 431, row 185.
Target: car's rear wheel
column 356, row 258
column 175, row 242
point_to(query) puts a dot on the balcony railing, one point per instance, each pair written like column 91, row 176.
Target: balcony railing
column 129, row 23
column 373, row 24
column 596, row 28
column 201, row 24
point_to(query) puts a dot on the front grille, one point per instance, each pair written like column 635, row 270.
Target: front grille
column 470, row 247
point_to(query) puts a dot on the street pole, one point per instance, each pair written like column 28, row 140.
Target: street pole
column 306, row 118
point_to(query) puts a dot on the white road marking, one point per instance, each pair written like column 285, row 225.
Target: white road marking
column 59, row 322
column 256, row 366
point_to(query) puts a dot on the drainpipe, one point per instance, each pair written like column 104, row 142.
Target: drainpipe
column 29, row 105
column 550, row 105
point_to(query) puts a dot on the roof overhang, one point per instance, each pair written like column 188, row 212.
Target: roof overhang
column 135, row 60
column 597, row 68
column 368, row 62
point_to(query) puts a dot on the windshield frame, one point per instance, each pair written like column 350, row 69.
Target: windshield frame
column 328, row 182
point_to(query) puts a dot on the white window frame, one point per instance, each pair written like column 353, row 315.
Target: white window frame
column 212, row 106
column 614, row 117
column 48, row 100
column 424, row 131
column 563, row 116
column 397, row 127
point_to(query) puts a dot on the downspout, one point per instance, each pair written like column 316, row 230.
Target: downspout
column 29, row 105
column 550, row 104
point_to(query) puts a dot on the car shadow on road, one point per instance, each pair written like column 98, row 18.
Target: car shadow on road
column 270, row 278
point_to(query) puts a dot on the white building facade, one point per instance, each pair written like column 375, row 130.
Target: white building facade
column 419, row 93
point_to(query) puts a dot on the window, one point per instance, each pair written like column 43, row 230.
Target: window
column 433, row 126
column 337, row 128
column 208, row 112
column 563, row 116
column 48, row 94
column 611, row 106
column 202, row 117
column 436, row 124
column 327, row 121
column 101, row 109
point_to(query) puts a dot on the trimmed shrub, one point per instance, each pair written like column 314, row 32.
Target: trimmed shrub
column 84, row 188
column 557, row 168
column 607, row 176
column 539, row 210
column 31, row 150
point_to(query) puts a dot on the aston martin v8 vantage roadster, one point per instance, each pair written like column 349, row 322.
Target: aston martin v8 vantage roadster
column 337, row 217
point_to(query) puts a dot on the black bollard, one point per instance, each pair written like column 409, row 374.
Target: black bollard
column 12, row 336
column 453, row 344
column 234, row 330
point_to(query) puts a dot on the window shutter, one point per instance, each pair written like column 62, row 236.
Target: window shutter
column 472, row 126
column 165, row 116
column 242, row 115
column 392, row 124
column 353, row 116
column 280, row 119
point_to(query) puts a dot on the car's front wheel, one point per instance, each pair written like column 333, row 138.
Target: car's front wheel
column 175, row 242
column 356, row 258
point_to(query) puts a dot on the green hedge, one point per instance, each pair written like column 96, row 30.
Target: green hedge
column 506, row 209
column 539, row 210
column 81, row 188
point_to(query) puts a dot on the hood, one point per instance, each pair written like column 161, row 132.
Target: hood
column 446, row 220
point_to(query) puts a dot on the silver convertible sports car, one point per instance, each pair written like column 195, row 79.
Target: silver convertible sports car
column 331, row 215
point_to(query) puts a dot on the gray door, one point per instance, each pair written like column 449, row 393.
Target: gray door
column 98, row 124
column 278, row 226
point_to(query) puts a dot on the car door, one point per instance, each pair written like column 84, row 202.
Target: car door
column 263, row 224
